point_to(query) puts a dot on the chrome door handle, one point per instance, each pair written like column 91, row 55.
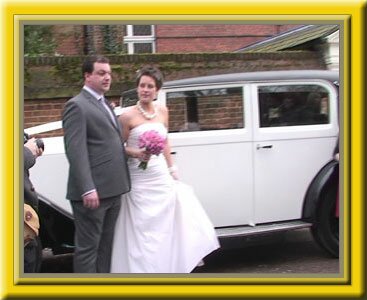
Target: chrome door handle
column 263, row 147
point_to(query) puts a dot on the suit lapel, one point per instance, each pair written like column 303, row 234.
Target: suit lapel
column 94, row 102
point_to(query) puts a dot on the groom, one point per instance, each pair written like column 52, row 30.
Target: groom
column 98, row 173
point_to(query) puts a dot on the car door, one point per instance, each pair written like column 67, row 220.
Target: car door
column 295, row 130
column 211, row 138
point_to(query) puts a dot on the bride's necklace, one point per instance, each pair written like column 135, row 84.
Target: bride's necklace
column 145, row 113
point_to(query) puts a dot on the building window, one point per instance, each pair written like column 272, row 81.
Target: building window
column 140, row 39
column 142, row 30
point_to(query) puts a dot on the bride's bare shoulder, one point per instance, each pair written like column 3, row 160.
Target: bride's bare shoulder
column 127, row 114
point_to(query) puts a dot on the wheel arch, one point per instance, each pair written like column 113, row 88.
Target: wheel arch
column 324, row 178
column 57, row 227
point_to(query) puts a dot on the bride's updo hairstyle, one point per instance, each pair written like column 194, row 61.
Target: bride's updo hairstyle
column 152, row 72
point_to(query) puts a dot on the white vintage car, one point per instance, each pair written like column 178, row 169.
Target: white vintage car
column 256, row 147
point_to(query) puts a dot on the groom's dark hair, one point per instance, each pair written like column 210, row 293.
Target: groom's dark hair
column 88, row 64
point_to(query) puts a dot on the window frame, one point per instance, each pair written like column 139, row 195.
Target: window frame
column 294, row 84
column 287, row 132
column 212, row 87
column 130, row 39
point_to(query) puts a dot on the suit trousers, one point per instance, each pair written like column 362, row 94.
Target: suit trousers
column 94, row 231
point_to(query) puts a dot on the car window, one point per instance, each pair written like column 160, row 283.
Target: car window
column 129, row 98
column 293, row 105
column 205, row 109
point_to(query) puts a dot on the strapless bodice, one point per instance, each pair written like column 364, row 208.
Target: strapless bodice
column 133, row 141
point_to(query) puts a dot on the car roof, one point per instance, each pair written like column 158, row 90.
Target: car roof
column 256, row 76
column 332, row 76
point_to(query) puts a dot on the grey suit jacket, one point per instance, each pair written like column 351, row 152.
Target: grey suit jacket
column 94, row 148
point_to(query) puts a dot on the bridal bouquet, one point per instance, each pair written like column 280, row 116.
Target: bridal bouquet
column 153, row 143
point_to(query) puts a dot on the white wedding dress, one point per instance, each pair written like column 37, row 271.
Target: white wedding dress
column 162, row 227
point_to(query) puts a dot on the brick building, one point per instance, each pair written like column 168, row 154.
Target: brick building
column 180, row 51
column 160, row 38
column 212, row 38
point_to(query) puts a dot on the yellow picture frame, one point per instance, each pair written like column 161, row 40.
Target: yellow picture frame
column 351, row 16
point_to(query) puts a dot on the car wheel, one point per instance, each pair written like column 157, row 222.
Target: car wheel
column 326, row 227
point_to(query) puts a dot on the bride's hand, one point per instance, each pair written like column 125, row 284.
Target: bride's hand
column 142, row 155
column 173, row 172
column 174, row 175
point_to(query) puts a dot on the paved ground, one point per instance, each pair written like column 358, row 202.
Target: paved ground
column 293, row 253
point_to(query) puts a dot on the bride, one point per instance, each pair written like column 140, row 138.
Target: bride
column 161, row 227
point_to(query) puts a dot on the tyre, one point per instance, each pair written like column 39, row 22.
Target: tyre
column 326, row 226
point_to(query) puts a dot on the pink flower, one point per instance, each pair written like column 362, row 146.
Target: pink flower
column 153, row 143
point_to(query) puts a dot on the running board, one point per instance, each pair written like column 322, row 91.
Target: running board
column 227, row 232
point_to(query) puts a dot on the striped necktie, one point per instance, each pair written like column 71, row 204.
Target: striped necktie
column 108, row 108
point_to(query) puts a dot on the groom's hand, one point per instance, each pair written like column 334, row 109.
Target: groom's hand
column 91, row 200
